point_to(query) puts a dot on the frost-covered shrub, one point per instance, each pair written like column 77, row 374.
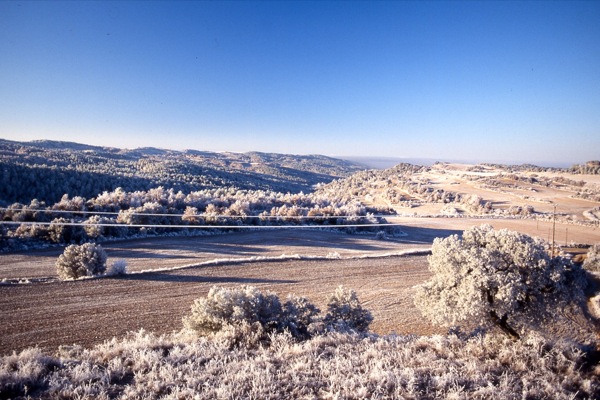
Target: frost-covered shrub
column 592, row 260
column 226, row 309
column 300, row 317
column 247, row 316
column 118, row 267
column 88, row 259
column 497, row 278
column 31, row 231
column 24, row 372
column 344, row 312
column 380, row 235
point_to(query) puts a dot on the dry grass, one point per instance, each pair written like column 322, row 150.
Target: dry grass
column 341, row 366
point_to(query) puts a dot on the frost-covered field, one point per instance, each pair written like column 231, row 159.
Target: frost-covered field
column 92, row 310
column 340, row 366
column 173, row 252
column 86, row 349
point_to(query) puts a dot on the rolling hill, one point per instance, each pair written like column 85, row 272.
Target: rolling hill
column 48, row 169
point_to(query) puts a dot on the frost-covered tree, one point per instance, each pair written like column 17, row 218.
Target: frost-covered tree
column 88, row 259
column 190, row 216
column 92, row 227
column 496, row 278
column 62, row 230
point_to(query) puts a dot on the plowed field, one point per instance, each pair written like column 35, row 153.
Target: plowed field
column 48, row 313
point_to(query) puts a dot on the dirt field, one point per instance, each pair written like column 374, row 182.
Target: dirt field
column 564, row 233
column 170, row 252
column 90, row 311
column 48, row 313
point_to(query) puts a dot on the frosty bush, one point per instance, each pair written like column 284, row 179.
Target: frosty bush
column 380, row 235
column 245, row 315
column 592, row 260
column 344, row 312
column 497, row 278
column 24, row 372
column 300, row 317
column 118, row 267
column 226, row 309
column 88, row 259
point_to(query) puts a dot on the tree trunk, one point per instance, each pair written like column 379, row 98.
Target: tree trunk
column 503, row 325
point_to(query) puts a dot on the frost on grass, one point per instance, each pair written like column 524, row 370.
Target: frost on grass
column 498, row 278
column 268, row 361
column 332, row 365
column 88, row 259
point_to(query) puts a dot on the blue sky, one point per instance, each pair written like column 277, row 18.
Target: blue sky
column 483, row 81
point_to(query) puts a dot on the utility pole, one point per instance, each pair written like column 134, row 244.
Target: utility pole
column 553, row 228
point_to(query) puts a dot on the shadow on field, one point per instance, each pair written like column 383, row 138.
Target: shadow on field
column 130, row 253
column 148, row 250
column 244, row 243
column 198, row 279
column 418, row 235
column 340, row 241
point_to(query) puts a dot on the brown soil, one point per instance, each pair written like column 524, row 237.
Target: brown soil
column 91, row 311
column 49, row 313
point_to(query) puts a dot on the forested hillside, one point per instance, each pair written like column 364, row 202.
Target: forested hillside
column 46, row 170
column 63, row 192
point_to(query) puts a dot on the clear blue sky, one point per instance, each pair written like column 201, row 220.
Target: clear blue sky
column 485, row 81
